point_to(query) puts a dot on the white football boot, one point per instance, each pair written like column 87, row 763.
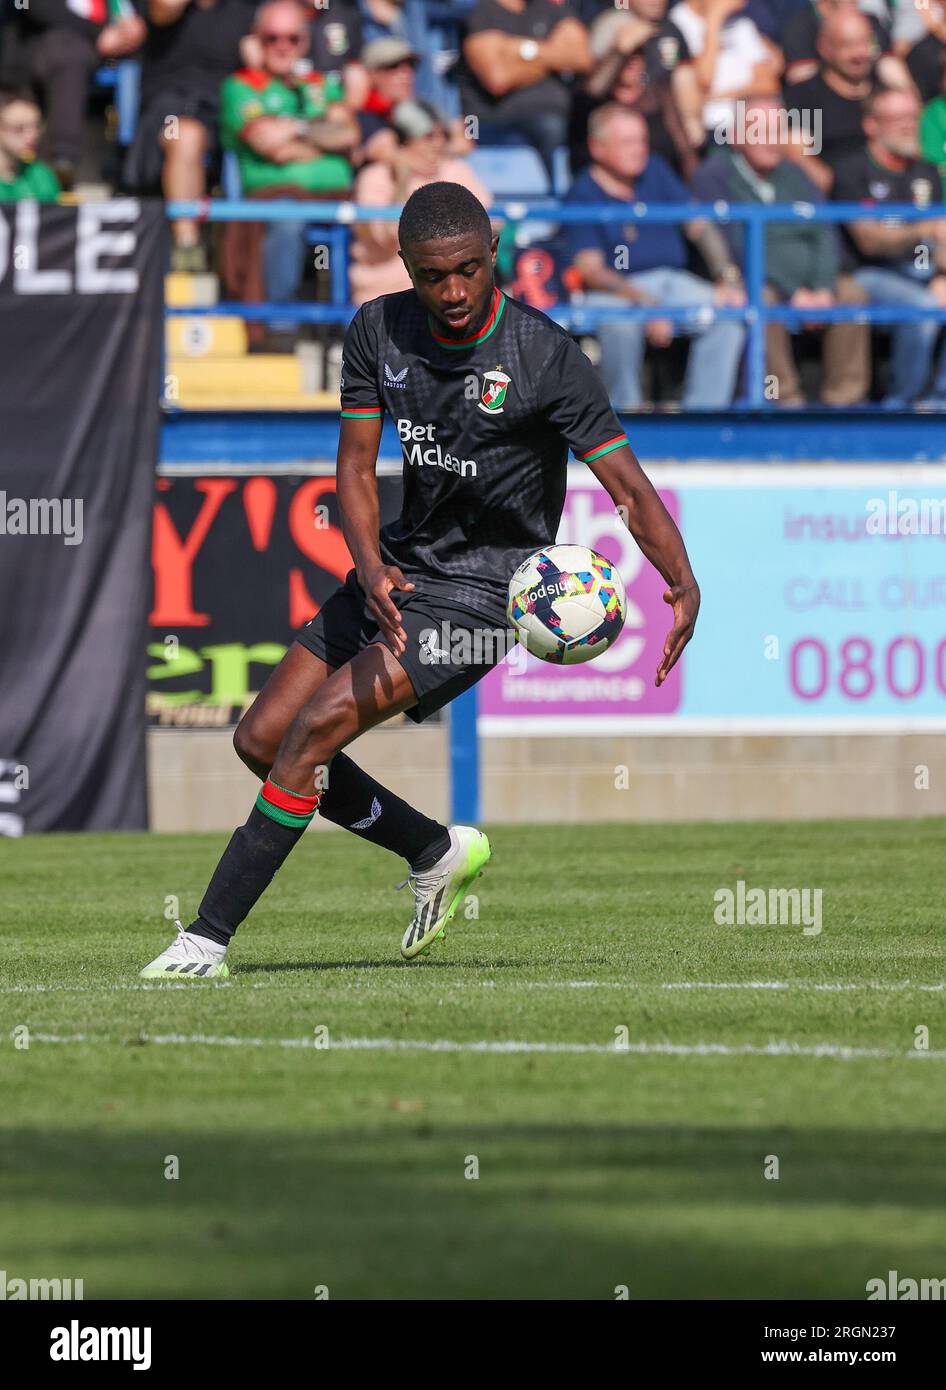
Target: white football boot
column 438, row 891
column 189, row 958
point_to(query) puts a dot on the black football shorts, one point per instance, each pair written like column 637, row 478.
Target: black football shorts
column 449, row 647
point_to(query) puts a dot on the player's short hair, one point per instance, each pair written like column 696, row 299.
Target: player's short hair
column 441, row 212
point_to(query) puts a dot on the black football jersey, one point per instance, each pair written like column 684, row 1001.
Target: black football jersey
column 485, row 424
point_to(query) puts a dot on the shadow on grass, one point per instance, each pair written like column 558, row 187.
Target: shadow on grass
column 555, row 1213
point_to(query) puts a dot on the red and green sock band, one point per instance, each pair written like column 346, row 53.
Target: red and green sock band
column 288, row 808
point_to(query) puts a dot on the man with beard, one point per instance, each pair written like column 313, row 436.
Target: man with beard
column 905, row 263
column 831, row 103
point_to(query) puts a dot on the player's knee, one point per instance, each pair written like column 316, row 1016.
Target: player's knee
column 252, row 746
column 319, row 728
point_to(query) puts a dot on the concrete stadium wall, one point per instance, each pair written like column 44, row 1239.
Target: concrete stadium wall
column 196, row 782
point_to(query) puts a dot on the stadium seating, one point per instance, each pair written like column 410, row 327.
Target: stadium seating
column 208, row 365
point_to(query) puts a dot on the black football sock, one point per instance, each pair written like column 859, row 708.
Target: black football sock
column 250, row 861
column 356, row 801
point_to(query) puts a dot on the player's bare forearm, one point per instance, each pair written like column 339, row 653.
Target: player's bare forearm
column 644, row 514
column 655, row 531
column 356, row 486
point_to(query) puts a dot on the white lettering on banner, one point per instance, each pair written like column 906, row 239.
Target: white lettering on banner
column 27, row 276
column 435, row 456
column 94, row 240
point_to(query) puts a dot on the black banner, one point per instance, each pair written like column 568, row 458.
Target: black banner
column 81, row 320
column 111, row 1339
column 240, row 562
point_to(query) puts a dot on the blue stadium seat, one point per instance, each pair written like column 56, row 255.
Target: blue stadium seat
column 511, row 171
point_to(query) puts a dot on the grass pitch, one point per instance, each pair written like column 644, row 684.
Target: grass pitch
column 350, row 1167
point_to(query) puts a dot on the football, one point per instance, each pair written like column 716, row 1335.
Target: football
column 567, row 604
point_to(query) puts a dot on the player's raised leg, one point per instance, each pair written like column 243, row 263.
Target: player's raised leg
column 350, row 797
column 343, row 709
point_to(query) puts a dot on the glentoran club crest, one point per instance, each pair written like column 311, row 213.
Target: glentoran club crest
column 495, row 386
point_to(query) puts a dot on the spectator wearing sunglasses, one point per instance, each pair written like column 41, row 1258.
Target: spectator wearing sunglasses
column 336, row 39
column 291, row 131
column 287, row 123
column 391, row 64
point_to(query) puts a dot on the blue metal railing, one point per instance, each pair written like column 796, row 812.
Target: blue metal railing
column 336, row 217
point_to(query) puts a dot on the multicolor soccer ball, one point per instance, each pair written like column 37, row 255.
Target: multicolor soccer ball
column 567, row 604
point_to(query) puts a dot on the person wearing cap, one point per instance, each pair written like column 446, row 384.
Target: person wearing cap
column 391, row 64
column 421, row 156
column 411, row 20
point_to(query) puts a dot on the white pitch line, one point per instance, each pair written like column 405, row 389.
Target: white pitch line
column 799, row 986
column 835, row 1051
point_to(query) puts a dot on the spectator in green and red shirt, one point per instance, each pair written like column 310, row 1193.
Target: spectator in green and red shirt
column 291, row 131
column 288, row 126
column 22, row 175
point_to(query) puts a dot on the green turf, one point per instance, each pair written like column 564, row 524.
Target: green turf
column 307, row 1167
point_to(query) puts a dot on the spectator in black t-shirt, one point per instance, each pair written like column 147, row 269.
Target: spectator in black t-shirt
column 799, row 41
column 50, row 46
column 335, row 37
column 516, row 55
column 641, row 60
column 192, row 45
column 926, row 60
column 830, row 105
column 905, row 263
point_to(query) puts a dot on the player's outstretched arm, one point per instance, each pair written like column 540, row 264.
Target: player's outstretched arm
column 654, row 530
column 357, row 490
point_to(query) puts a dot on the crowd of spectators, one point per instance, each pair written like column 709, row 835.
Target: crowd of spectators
column 639, row 101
